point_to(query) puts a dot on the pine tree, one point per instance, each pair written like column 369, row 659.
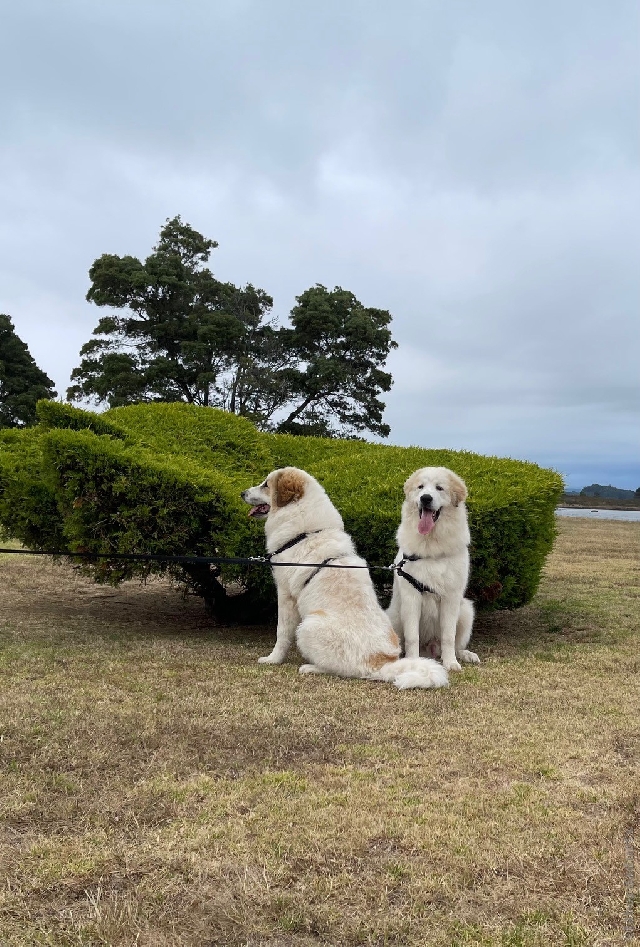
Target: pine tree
column 179, row 334
column 22, row 383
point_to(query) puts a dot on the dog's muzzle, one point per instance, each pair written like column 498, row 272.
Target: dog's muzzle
column 428, row 516
column 259, row 510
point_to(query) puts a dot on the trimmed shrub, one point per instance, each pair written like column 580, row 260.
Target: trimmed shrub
column 118, row 499
column 55, row 414
column 170, row 480
column 211, row 438
column 28, row 505
column 511, row 506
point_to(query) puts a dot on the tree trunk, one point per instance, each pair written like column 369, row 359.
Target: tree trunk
column 305, row 404
column 205, row 584
column 228, row 609
column 234, row 387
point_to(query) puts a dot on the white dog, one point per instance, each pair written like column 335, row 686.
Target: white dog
column 428, row 606
column 332, row 613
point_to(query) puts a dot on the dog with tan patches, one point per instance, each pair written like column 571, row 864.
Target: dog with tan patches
column 332, row 614
column 428, row 606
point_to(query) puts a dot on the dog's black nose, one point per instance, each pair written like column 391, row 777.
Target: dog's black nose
column 426, row 499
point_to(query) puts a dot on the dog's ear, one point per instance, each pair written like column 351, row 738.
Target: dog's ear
column 410, row 483
column 288, row 486
column 457, row 489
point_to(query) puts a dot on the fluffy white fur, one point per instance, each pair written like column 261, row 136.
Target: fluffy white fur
column 335, row 619
column 434, row 527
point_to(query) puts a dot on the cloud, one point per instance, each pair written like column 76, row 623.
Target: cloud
column 471, row 168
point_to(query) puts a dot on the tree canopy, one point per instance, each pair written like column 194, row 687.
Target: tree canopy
column 22, row 383
column 180, row 334
column 606, row 491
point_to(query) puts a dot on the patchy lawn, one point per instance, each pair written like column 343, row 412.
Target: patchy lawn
column 161, row 788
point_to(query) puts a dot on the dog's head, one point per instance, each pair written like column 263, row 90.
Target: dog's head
column 429, row 492
column 280, row 488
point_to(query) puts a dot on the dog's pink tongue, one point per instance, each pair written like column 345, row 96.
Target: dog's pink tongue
column 426, row 523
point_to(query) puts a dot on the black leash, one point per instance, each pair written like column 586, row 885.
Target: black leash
column 233, row 560
column 187, row 560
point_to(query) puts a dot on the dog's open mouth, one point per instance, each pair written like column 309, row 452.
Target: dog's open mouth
column 428, row 519
column 260, row 511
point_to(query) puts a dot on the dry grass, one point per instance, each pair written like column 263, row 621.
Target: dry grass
column 159, row 788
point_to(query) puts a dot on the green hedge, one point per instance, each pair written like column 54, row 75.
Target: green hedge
column 167, row 477
column 511, row 506
column 28, row 505
column 55, row 414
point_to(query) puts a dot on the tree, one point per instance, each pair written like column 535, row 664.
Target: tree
column 22, row 383
column 186, row 336
column 340, row 348
column 180, row 328
column 606, row 491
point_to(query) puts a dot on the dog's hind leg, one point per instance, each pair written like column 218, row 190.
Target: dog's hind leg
column 463, row 633
column 311, row 636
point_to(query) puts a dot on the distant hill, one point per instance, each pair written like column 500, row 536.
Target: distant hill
column 607, row 492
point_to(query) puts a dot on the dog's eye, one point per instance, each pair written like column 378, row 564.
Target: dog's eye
column 421, row 487
column 439, row 488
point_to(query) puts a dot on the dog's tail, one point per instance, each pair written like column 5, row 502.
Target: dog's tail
column 406, row 673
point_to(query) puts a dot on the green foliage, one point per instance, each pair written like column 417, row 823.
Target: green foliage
column 173, row 485
column 210, row 438
column 115, row 498
column 28, row 507
column 179, row 334
column 511, row 506
column 55, row 414
column 22, row 383
column 179, row 327
column 341, row 348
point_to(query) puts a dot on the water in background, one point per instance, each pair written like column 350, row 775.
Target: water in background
column 599, row 514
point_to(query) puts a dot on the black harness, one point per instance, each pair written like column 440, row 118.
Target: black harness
column 419, row 586
column 294, row 542
column 317, row 569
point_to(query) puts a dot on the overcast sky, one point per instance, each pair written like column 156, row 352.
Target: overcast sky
column 470, row 166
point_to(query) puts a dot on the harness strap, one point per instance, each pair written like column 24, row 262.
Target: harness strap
column 292, row 542
column 415, row 582
column 316, row 570
column 420, row 586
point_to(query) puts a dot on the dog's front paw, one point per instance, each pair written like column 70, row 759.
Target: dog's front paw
column 269, row 659
column 308, row 669
column 451, row 665
column 469, row 657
